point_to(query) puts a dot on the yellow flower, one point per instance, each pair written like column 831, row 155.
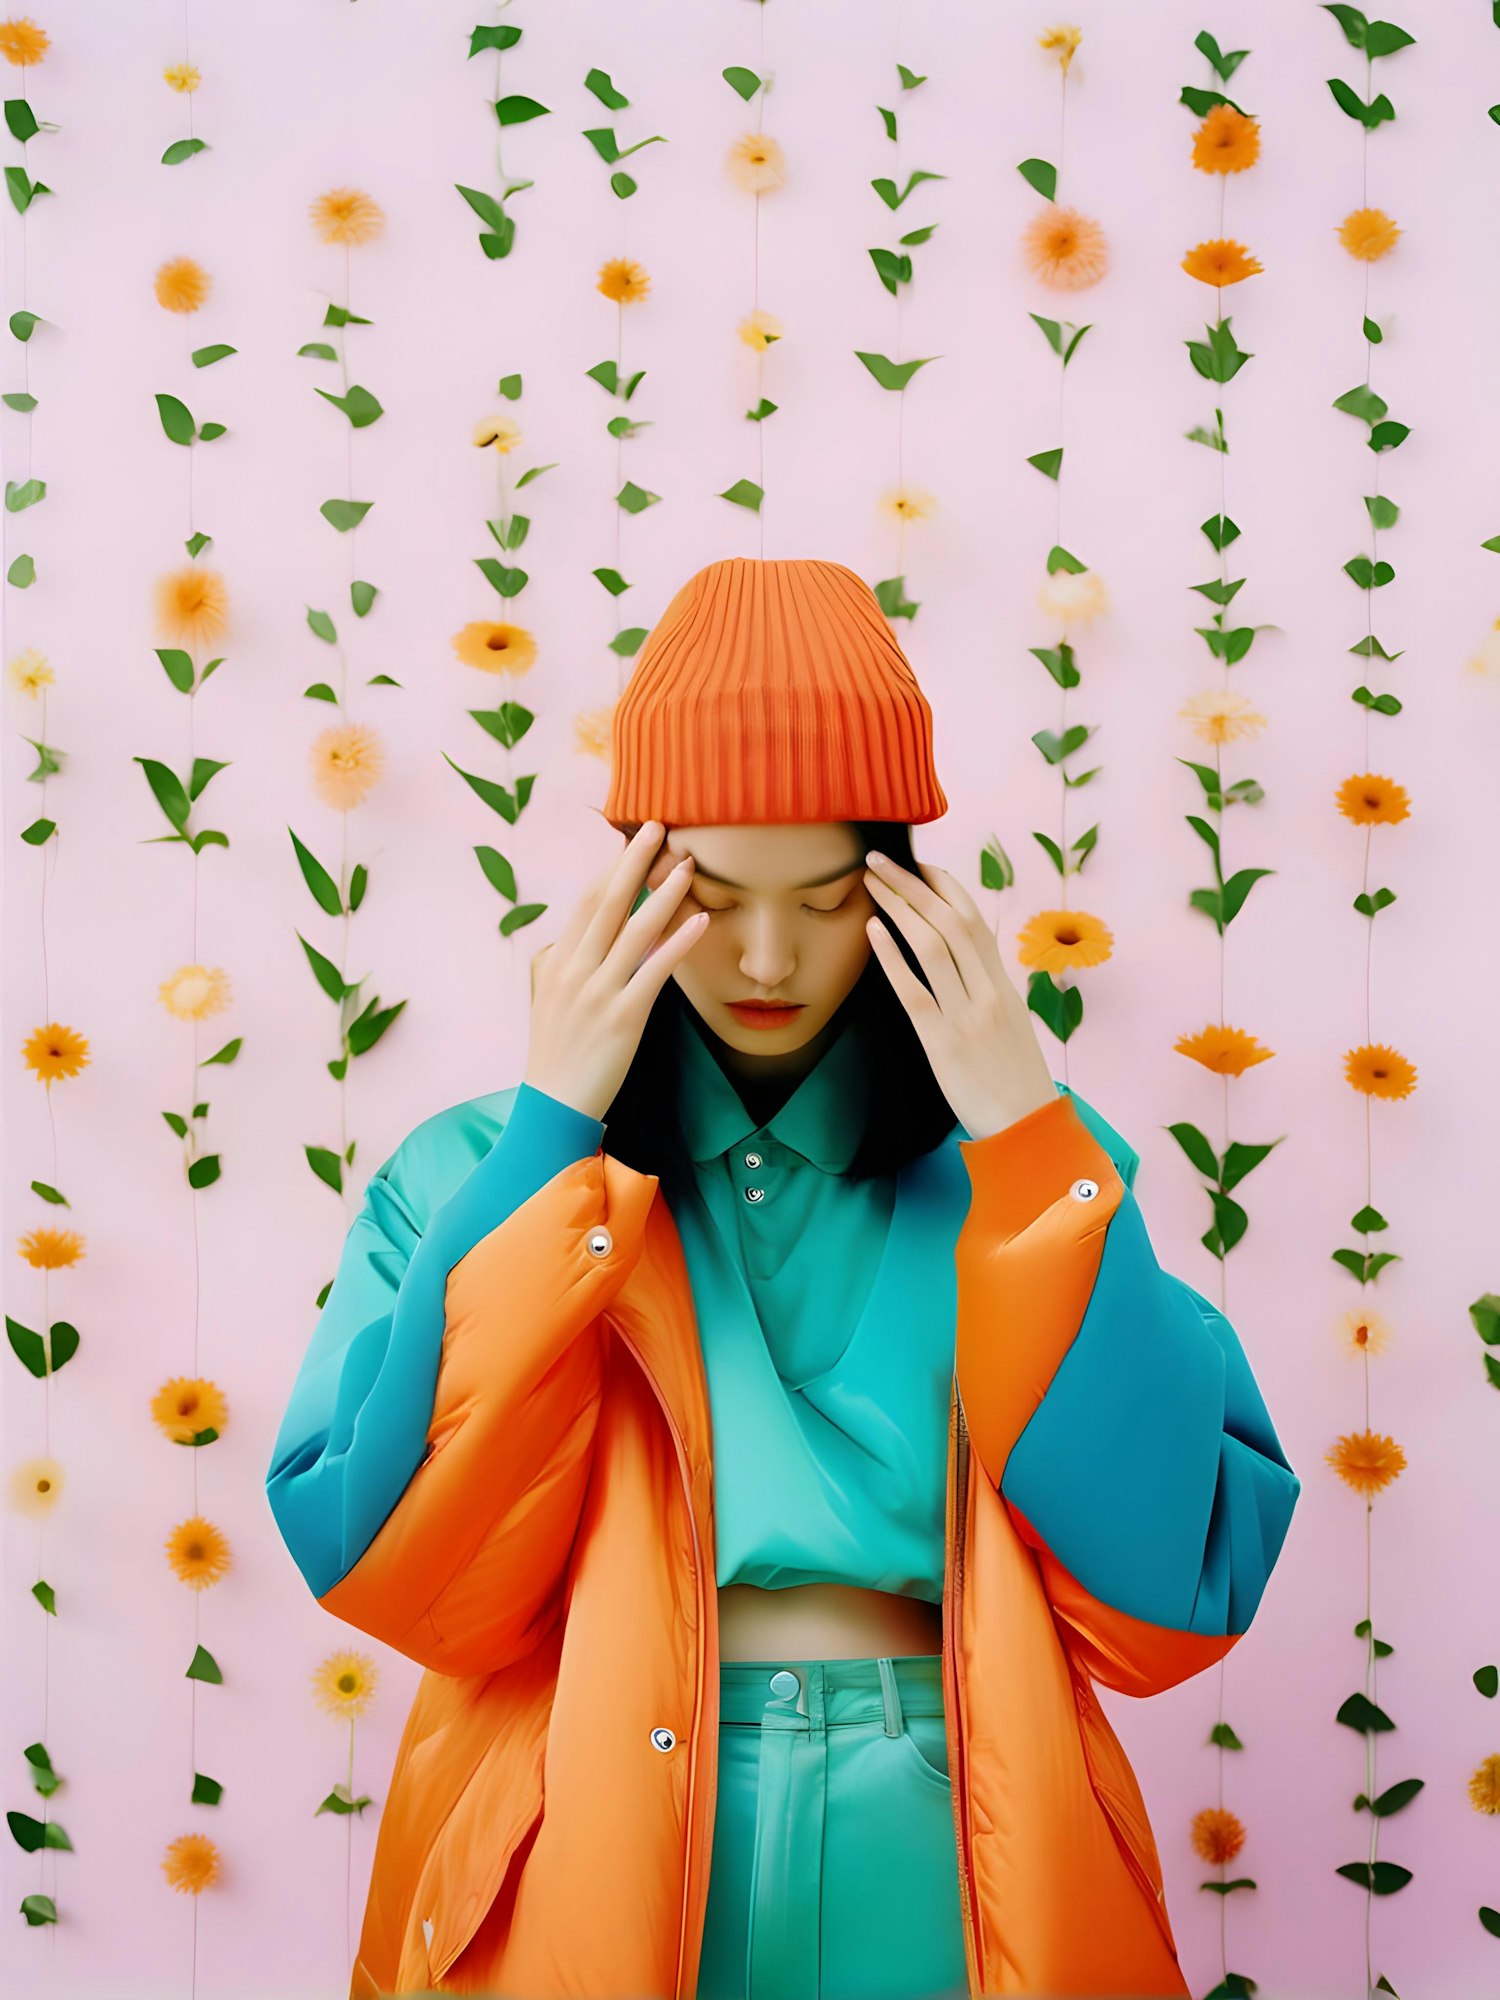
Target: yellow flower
column 908, row 503
column 22, row 42
column 1379, row 1071
column 1366, row 1461
column 756, row 163
column 195, row 991
column 198, row 1552
column 1073, row 597
column 1063, row 42
column 1484, row 1786
column 1065, row 248
column 504, row 433
column 347, row 763
column 1221, row 717
column 1371, row 800
column 496, row 648
column 759, row 329
column 1220, row 261
column 1368, row 234
column 1063, row 941
column 188, row 1404
column 1217, row 1835
column 1226, row 142
column 55, row 1051
column 48, row 1249
column 593, row 731
column 29, row 672
column 347, row 215
column 35, row 1485
column 1362, row 1331
column 181, row 285
column 1226, row 1051
column 192, row 606
column 182, row 76
column 191, row 1863
column 344, row 1684
column 623, row 280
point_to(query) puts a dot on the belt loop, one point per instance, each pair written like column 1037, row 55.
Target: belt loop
column 894, row 1721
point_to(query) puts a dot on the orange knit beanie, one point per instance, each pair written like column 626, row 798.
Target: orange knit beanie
column 772, row 691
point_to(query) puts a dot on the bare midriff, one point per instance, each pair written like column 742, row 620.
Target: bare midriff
column 825, row 1621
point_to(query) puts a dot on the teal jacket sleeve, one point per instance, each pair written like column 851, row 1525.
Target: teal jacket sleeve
column 355, row 1427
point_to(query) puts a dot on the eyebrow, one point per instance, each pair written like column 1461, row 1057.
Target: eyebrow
column 819, row 882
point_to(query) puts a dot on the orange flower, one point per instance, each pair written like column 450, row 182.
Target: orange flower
column 1370, row 800
column 347, row 762
column 593, row 731
column 1368, row 233
column 347, row 215
column 1226, row 142
column 623, row 280
column 1226, row 1051
column 181, row 285
column 192, row 606
column 51, row 1249
column 1218, row 1835
column 186, row 1405
column 1063, row 941
column 191, row 1863
column 344, row 1684
column 1379, row 1071
column 496, row 648
column 198, row 1552
column 1065, row 249
column 1220, row 261
column 1366, row 1461
column 22, row 42
column 55, row 1051
column 1484, row 1786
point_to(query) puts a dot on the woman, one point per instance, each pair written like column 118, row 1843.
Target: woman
column 764, row 1542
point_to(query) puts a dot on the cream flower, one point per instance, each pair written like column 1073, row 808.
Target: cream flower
column 29, row 672
column 1073, row 597
column 195, row 991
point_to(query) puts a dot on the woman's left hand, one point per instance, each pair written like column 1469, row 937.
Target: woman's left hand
column 974, row 1025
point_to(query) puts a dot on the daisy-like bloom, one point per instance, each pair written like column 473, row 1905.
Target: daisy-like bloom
column 347, row 762
column 191, row 1863
column 1371, row 800
column 1065, row 248
column 198, row 1552
column 48, row 1249
column 188, row 1404
column 504, row 433
column 347, row 215
column 1221, row 717
column 195, row 991
column 29, row 672
column 593, row 731
column 1064, row 941
column 1226, row 142
column 1362, row 1331
column 1380, row 1071
column 495, row 647
column 181, row 285
column 1226, row 1051
column 1368, row 234
column 1218, row 1835
column 35, row 1485
column 908, row 503
column 759, row 329
column 756, row 163
column 182, row 76
column 1220, row 261
column 1484, row 661
column 22, row 42
column 1061, row 42
column 344, row 1684
column 1073, row 597
column 623, row 280
column 192, row 606
column 1484, row 1786
column 1366, row 1461
column 55, row 1051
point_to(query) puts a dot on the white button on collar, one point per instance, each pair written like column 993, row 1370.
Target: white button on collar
column 752, row 1159
column 755, row 1194
column 1084, row 1190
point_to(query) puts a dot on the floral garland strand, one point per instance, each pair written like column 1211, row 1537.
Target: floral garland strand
column 893, row 268
column 497, row 237
column 1366, row 1460
column 1227, row 140
column 53, row 1052
column 1064, row 250
column 756, row 163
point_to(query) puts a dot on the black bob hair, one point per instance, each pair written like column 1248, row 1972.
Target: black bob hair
column 907, row 1116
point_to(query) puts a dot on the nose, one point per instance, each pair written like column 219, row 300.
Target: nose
column 767, row 958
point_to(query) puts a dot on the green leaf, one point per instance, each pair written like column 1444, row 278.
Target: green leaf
column 501, row 35
column 176, row 419
column 324, row 889
column 744, row 81
column 1383, row 513
column 20, row 119
column 888, row 119
column 368, row 1027
column 320, row 623
column 18, row 498
column 203, row 1171
column 359, row 406
column 635, row 499
column 520, row 916
column 327, row 1166
column 325, row 971
column 168, row 790
column 345, row 514
column 1383, row 38
column 24, row 324
column 1485, row 1313
column 1048, row 463
column 890, row 595
column 1360, row 1713
column 1351, row 21
column 1041, row 175
column 886, row 188
column 1487, row 1680
column 599, row 83
column 1362, row 401
column 892, row 270
column 1387, row 436
column 204, row 1667
column 206, row 1791
column 1224, row 1738
column 39, row 832
column 1394, row 1797
column 45, row 1596
column 517, row 110
column 893, row 374
column 182, row 149
column 205, row 357
column 1226, row 1888
column 1488, row 1917
column 1381, row 1878
column 362, row 596
column 497, row 871
column 744, row 493
column 536, row 471
column 763, row 409
column 1372, row 331
column 22, row 573
column 909, row 78
column 34, row 1834
column 622, row 185
column 612, row 580
column 318, row 350
column 177, row 666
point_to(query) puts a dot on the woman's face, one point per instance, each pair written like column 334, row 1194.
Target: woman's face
column 787, row 911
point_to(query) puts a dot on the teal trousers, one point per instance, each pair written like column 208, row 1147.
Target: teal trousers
column 834, row 1873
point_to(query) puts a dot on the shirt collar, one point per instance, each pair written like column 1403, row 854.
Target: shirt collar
column 823, row 1119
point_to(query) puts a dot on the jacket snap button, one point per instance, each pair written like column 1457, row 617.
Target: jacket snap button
column 1084, row 1190
column 600, row 1242
column 755, row 1194
column 752, row 1159
column 662, row 1739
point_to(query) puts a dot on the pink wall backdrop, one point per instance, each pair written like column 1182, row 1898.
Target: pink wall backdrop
column 222, row 1281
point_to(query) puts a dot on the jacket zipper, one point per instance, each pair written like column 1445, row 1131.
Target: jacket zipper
column 958, row 1515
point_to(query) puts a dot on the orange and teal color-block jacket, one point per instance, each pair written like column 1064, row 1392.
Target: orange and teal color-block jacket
column 497, row 1459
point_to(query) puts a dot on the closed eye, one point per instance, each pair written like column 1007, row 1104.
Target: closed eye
column 810, row 908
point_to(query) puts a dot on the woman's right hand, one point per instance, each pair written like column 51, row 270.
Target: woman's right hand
column 593, row 989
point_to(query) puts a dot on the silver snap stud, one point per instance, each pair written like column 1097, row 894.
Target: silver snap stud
column 1084, row 1190
column 755, row 1194
column 784, row 1682
column 752, row 1159
column 662, row 1739
column 600, row 1242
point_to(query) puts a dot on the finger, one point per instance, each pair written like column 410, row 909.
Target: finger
column 929, row 893
column 910, row 991
column 657, row 967
column 930, row 945
column 622, row 885
column 644, row 926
